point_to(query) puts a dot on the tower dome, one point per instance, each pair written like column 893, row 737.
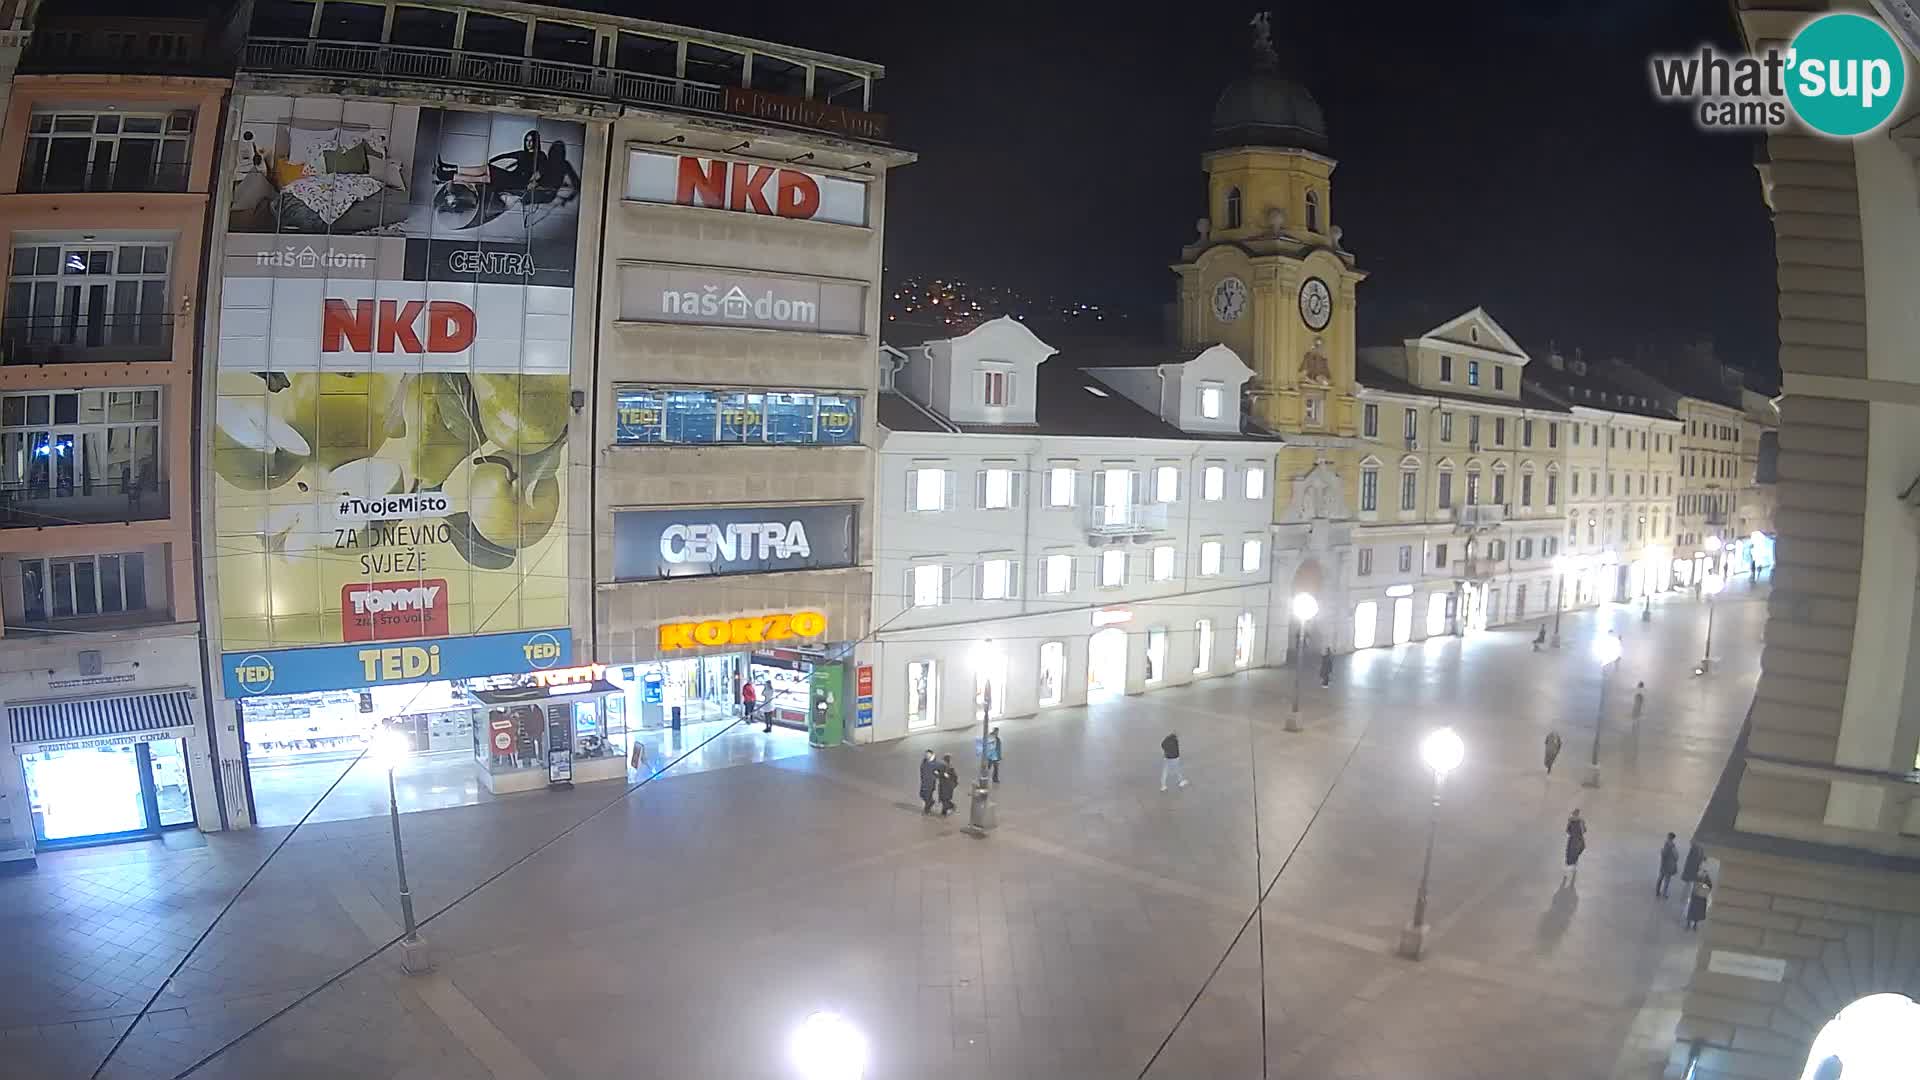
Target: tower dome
column 1265, row 108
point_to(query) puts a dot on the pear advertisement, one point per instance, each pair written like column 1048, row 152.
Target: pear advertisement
column 389, row 438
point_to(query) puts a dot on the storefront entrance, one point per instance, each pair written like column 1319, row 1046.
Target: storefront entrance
column 1107, row 663
column 99, row 794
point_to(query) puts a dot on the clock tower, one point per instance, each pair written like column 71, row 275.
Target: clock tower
column 1266, row 275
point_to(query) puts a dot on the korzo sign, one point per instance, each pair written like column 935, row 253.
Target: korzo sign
column 653, row 544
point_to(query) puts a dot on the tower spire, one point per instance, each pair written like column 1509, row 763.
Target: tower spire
column 1264, row 58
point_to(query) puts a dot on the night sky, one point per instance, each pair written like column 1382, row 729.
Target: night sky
column 1504, row 152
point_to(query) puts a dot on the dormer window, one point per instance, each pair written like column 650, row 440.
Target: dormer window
column 1473, row 373
column 1313, row 211
column 1232, row 216
column 1212, row 400
column 996, row 388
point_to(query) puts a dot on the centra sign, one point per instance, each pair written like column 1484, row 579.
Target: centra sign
column 749, row 630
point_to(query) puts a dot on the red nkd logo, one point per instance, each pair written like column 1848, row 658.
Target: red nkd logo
column 390, row 610
column 392, row 326
column 739, row 186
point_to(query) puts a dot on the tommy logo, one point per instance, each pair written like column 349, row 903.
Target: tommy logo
column 393, row 326
column 389, row 610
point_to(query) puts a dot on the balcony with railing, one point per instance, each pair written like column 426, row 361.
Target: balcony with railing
column 45, row 503
column 1133, row 519
column 383, row 60
column 85, row 339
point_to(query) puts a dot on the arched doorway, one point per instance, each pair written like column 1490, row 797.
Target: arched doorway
column 1107, row 663
column 1308, row 580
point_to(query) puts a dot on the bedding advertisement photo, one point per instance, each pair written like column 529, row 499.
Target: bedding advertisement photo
column 389, row 445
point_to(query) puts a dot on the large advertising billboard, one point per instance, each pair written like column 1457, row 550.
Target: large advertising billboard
column 389, row 438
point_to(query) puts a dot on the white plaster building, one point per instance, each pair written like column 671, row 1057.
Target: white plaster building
column 1457, row 517
column 1621, row 465
column 1062, row 526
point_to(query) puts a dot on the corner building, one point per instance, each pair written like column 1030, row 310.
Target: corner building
column 411, row 396
column 107, row 167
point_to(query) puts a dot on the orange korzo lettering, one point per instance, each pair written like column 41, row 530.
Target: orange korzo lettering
column 676, row 635
column 779, row 627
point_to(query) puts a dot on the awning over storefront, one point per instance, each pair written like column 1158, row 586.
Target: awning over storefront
column 89, row 718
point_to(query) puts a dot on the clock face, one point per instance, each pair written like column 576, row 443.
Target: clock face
column 1316, row 304
column 1229, row 299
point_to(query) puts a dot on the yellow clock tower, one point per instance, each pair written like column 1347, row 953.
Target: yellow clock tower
column 1267, row 276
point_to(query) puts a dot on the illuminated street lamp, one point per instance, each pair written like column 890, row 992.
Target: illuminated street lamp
column 1710, row 587
column 1606, row 652
column 980, row 818
column 828, row 1047
column 387, row 748
column 1305, row 607
column 1442, row 751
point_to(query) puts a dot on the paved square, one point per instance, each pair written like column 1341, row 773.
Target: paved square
column 685, row 929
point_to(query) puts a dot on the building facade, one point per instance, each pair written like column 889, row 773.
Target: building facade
column 105, row 184
column 1814, row 823
column 1458, row 500
column 500, row 289
column 739, row 321
column 1057, row 528
column 1621, row 470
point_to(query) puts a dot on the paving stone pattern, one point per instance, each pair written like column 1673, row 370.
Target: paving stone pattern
column 683, row 931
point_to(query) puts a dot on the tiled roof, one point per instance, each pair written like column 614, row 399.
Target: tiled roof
column 1530, row 398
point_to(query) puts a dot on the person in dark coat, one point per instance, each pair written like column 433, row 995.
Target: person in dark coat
column 1576, row 845
column 1639, row 699
column 1326, row 666
column 929, row 779
column 1669, row 866
column 1691, row 868
column 1697, row 902
column 1170, row 766
column 1553, row 749
column 1540, row 638
column 949, row 780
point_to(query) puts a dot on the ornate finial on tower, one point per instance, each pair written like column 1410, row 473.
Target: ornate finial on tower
column 1264, row 58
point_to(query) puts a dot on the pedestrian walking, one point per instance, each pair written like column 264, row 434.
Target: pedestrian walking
column 1170, row 767
column 1553, row 749
column 949, row 780
column 1540, row 638
column 1326, row 667
column 929, row 779
column 1639, row 699
column 993, row 754
column 1691, row 868
column 766, row 706
column 1576, row 845
column 1697, row 901
column 749, row 697
column 1669, row 866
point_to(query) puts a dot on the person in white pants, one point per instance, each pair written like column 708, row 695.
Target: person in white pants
column 1170, row 767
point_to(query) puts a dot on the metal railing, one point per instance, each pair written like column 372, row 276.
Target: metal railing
column 81, row 501
column 169, row 176
column 486, row 69
column 82, row 340
column 1482, row 515
column 1125, row 520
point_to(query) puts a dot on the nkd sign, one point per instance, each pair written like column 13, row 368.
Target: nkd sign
column 652, row 292
column 744, row 187
column 653, row 544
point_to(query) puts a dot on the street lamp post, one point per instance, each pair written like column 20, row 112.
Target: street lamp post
column 1710, row 587
column 387, row 749
column 980, row 816
column 1561, row 564
column 1606, row 650
column 1442, row 752
column 1305, row 607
